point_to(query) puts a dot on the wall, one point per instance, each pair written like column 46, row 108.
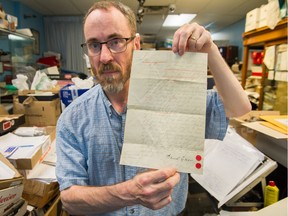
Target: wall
column 233, row 34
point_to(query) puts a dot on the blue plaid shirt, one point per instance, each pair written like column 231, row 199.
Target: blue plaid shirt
column 89, row 139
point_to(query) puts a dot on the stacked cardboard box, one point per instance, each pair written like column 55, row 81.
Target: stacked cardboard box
column 39, row 193
column 11, row 188
column 39, row 109
column 35, row 192
column 9, row 123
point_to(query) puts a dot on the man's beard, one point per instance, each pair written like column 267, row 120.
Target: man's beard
column 112, row 84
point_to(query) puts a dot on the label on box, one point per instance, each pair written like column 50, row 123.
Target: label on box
column 10, row 195
column 7, row 125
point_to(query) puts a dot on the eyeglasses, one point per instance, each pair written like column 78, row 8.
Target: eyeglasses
column 115, row 45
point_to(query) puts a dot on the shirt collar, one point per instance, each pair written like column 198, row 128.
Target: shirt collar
column 108, row 104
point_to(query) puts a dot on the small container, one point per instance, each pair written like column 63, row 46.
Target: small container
column 271, row 194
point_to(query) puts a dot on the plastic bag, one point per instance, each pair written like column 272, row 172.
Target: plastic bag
column 20, row 82
column 83, row 84
column 42, row 82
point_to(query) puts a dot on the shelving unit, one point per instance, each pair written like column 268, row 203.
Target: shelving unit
column 262, row 37
column 20, row 48
column 20, row 54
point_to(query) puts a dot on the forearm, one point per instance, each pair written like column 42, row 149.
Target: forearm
column 152, row 189
column 235, row 100
column 87, row 199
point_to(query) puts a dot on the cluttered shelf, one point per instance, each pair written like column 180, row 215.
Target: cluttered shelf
column 264, row 70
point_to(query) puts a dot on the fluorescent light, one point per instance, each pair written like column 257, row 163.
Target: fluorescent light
column 15, row 37
column 178, row 20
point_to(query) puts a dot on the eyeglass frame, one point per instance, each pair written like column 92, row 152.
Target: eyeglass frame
column 128, row 40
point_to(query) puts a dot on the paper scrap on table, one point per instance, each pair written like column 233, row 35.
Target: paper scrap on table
column 165, row 124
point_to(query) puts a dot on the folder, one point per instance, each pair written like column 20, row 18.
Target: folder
column 276, row 122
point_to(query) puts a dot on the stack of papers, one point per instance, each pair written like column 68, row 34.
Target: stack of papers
column 45, row 171
column 227, row 164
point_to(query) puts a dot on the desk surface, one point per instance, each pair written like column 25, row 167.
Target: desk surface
column 279, row 209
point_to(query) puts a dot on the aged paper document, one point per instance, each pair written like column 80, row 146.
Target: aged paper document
column 165, row 125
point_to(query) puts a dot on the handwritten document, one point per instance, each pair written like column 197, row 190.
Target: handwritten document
column 165, row 125
column 227, row 164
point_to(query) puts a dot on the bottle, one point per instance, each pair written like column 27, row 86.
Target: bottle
column 271, row 194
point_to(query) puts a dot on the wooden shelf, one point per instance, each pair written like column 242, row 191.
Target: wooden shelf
column 262, row 37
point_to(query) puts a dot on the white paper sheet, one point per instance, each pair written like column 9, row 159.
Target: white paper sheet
column 15, row 147
column 5, row 171
column 44, row 172
column 269, row 58
column 51, row 156
column 165, row 122
column 273, row 12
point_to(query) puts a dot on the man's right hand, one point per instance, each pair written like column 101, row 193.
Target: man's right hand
column 153, row 189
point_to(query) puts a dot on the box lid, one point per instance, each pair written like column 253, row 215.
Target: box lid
column 8, row 182
column 43, row 95
column 9, row 123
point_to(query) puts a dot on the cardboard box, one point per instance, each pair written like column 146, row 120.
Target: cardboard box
column 38, row 113
column 16, row 180
column 67, row 95
column 4, row 23
column 9, row 196
column 39, row 193
column 29, row 163
column 9, row 123
column 252, row 20
column 18, row 208
column 40, row 95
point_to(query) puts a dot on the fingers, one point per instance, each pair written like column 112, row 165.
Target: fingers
column 154, row 188
column 155, row 176
column 191, row 37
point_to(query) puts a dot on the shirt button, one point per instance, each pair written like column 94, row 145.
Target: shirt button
column 132, row 211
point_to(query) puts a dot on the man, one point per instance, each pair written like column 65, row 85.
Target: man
column 90, row 131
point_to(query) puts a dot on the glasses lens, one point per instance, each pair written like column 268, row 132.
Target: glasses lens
column 93, row 48
column 117, row 45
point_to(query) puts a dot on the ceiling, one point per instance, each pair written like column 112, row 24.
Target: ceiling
column 213, row 14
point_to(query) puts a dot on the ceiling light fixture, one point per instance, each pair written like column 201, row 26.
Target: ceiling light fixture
column 140, row 11
column 159, row 9
column 173, row 20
